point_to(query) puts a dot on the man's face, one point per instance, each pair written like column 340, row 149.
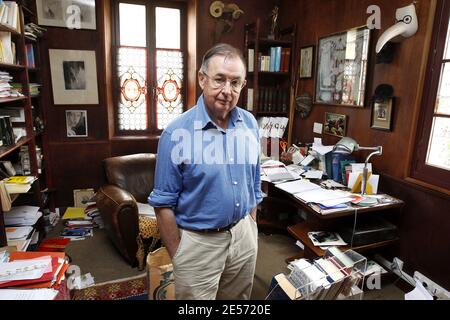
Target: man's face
column 220, row 101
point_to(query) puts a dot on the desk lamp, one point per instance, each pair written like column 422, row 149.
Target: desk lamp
column 347, row 146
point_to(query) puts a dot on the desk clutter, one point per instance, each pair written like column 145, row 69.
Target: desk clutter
column 338, row 275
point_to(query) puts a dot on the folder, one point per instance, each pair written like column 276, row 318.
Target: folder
column 52, row 281
column 47, row 277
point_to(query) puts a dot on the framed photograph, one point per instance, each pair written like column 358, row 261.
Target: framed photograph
column 335, row 124
column 81, row 197
column 306, row 62
column 342, row 66
column 382, row 114
column 74, row 76
column 72, row 14
column 76, row 123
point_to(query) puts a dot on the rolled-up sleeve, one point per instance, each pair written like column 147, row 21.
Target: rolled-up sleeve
column 168, row 178
column 257, row 186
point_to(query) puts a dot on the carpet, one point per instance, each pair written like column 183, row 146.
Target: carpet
column 134, row 288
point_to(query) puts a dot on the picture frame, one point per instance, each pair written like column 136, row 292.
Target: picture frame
column 306, row 62
column 72, row 14
column 82, row 196
column 76, row 123
column 342, row 67
column 335, row 124
column 382, row 114
column 74, row 77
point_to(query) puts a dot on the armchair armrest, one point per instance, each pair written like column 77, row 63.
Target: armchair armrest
column 119, row 211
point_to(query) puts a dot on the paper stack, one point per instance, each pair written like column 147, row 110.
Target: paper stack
column 22, row 216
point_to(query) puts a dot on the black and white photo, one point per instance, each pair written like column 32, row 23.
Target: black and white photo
column 74, row 77
column 72, row 14
column 76, row 123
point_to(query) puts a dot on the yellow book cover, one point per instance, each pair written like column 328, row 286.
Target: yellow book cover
column 74, row 213
column 19, row 179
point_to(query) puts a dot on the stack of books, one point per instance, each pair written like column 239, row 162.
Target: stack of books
column 77, row 225
column 19, row 184
column 5, row 84
column 9, row 15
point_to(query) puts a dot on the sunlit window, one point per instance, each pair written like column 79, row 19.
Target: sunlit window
column 439, row 147
column 150, row 75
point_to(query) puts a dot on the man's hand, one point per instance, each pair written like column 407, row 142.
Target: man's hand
column 168, row 229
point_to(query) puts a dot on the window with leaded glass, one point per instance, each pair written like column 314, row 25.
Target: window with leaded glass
column 150, row 68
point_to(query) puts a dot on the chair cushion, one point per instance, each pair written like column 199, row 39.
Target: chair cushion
column 148, row 239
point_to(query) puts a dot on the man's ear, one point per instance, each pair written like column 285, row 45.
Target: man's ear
column 201, row 80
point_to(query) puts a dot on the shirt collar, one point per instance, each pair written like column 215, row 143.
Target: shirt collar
column 205, row 121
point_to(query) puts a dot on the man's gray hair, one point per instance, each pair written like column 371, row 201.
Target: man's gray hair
column 224, row 50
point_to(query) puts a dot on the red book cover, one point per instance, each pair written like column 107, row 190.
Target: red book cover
column 53, row 244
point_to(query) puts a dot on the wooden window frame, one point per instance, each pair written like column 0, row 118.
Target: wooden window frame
column 420, row 170
column 152, row 129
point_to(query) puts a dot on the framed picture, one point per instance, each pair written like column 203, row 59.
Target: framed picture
column 306, row 62
column 335, row 124
column 76, row 123
column 81, row 197
column 74, row 76
column 382, row 114
column 72, row 14
column 342, row 65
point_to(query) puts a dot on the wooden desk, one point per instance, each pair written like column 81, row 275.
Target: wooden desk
column 318, row 219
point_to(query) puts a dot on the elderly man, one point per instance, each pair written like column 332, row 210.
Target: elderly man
column 207, row 186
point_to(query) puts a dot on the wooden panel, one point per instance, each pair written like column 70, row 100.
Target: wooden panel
column 424, row 229
column 77, row 166
column 123, row 146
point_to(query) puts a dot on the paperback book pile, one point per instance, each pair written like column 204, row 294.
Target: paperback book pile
column 19, row 184
column 9, row 15
column 337, row 275
column 77, row 225
column 7, row 90
column 93, row 212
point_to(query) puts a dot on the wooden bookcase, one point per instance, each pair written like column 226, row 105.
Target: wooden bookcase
column 32, row 107
column 270, row 93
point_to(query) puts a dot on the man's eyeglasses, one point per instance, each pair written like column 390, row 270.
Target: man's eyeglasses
column 220, row 82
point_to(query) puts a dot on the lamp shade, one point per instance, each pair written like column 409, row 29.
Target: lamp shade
column 346, row 146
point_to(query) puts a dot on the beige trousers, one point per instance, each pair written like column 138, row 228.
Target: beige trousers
column 216, row 265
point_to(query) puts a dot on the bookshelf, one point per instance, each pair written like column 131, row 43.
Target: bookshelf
column 270, row 70
column 32, row 137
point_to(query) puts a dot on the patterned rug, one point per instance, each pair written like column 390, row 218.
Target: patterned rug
column 134, row 288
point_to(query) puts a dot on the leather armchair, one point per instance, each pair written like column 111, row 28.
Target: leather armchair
column 129, row 179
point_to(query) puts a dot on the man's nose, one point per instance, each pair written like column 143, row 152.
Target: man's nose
column 227, row 87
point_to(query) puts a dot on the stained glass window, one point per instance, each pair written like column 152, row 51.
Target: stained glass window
column 169, row 70
column 132, row 65
column 150, row 69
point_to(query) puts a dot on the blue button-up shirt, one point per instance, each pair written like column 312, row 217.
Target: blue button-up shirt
column 210, row 177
